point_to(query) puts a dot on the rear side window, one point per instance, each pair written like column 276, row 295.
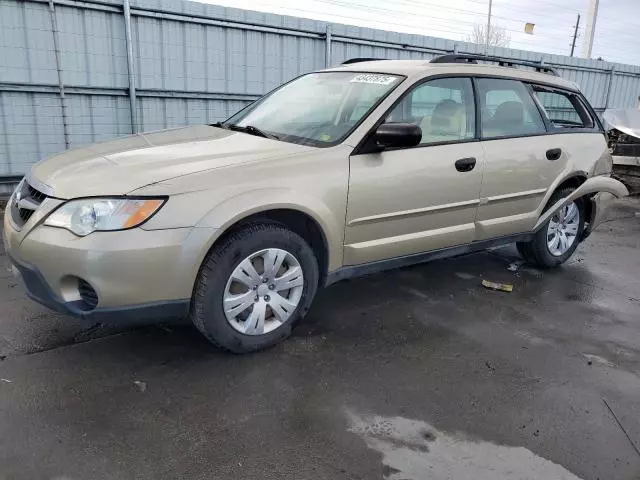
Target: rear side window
column 507, row 109
column 564, row 110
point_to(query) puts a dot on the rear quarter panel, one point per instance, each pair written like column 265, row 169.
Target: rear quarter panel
column 587, row 156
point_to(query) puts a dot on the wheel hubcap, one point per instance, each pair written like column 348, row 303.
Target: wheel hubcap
column 263, row 291
column 563, row 230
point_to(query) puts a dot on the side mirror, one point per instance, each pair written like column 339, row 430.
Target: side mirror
column 396, row 135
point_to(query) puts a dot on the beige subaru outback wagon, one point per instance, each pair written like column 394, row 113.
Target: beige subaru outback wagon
column 351, row 170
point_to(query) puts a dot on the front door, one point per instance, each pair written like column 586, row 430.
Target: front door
column 406, row 201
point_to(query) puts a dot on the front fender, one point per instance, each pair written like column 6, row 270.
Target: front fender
column 236, row 208
column 607, row 188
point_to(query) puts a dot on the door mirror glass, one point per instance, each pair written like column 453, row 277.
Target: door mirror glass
column 398, row 135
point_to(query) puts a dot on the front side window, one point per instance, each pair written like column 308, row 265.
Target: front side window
column 564, row 110
column 507, row 109
column 444, row 110
column 318, row 109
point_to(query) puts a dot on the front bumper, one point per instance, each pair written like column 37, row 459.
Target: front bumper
column 38, row 290
column 135, row 273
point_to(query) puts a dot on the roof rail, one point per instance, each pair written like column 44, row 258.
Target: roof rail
column 503, row 62
column 358, row 60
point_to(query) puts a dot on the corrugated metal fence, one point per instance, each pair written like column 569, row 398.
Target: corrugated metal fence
column 71, row 70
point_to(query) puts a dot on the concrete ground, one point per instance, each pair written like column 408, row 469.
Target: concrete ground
column 415, row 374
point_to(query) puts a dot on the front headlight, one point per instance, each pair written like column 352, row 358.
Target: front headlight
column 103, row 214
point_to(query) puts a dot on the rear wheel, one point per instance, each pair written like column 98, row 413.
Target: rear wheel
column 253, row 287
column 556, row 241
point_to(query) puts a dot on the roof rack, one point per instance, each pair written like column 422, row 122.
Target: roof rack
column 471, row 58
column 358, row 60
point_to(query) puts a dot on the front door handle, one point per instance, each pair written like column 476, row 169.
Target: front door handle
column 465, row 164
column 554, row 154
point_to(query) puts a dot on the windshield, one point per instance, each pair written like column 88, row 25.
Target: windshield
column 318, row 109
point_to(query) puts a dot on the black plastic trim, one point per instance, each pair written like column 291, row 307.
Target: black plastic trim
column 503, row 62
column 568, row 131
column 407, row 260
column 477, row 108
column 351, row 61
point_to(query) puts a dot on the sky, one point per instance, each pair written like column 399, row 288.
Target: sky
column 617, row 37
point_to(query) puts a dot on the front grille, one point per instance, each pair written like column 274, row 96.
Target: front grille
column 24, row 203
column 25, row 214
column 87, row 294
column 37, row 195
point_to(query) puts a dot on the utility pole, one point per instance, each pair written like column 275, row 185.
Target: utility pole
column 575, row 35
column 488, row 32
column 592, row 17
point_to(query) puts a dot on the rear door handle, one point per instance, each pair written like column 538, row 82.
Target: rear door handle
column 554, row 154
column 465, row 164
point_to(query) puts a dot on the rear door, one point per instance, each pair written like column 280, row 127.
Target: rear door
column 411, row 200
column 522, row 159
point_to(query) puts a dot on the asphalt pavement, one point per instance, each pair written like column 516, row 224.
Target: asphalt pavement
column 416, row 374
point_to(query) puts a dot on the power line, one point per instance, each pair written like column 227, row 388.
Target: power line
column 467, row 12
column 574, row 11
column 485, row 5
column 351, row 19
column 434, row 25
column 449, row 22
column 498, row 6
column 432, row 20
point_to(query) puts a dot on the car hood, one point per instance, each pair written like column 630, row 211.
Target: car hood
column 627, row 120
column 120, row 166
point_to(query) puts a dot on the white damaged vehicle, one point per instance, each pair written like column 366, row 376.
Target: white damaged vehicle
column 623, row 130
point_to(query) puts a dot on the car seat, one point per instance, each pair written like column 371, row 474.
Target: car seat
column 447, row 122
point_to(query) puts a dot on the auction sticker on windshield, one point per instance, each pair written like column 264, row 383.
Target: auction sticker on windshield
column 373, row 78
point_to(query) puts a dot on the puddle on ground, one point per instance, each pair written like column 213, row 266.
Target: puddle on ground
column 414, row 450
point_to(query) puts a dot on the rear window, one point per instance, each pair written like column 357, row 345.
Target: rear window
column 564, row 110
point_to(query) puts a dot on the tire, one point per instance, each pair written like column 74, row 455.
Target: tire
column 214, row 280
column 537, row 251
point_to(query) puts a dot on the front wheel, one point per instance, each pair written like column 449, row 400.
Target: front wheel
column 556, row 241
column 253, row 287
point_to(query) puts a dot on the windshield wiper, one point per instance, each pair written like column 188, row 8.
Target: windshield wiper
column 251, row 130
